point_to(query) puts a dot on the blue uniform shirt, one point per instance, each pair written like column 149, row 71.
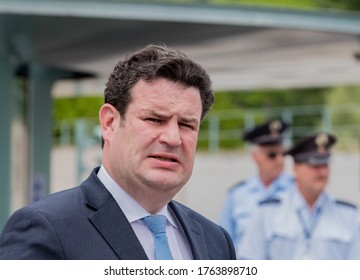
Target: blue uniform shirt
column 285, row 229
column 243, row 198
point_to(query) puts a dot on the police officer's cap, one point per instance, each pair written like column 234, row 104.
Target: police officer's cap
column 313, row 150
column 269, row 133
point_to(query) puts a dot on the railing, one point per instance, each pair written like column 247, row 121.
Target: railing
column 342, row 120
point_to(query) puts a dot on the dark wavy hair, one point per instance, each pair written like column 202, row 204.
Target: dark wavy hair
column 150, row 63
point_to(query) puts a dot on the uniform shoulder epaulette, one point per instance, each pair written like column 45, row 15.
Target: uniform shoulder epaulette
column 237, row 185
column 270, row 201
column 344, row 203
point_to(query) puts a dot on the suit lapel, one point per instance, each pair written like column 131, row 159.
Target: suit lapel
column 112, row 224
column 110, row 221
column 193, row 231
column 117, row 231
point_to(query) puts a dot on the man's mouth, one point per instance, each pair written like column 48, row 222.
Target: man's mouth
column 168, row 159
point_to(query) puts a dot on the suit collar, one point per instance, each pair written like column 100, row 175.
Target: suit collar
column 110, row 221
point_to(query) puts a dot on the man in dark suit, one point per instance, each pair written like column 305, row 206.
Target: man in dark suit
column 155, row 100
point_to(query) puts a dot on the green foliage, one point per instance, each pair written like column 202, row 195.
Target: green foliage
column 276, row 3
column 339, row 4
column 344, row 102
column 352, row 5
column 77, row 107
column 272, row 98
column 340, row 99
column 343, row 95
column 68, row 109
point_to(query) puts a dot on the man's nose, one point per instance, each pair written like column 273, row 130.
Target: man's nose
column 170, row 134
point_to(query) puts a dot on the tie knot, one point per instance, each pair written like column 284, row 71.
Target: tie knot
column 156, row 223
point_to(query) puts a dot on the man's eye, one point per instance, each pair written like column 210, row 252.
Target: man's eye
column 186, row 125
column 153, row 120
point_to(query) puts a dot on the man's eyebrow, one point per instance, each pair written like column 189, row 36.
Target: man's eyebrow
column 189, row 120
column 153, row 112
column 160, row 115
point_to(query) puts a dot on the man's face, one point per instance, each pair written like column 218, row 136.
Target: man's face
column 311, row 180
column 153, row 148
column 270, row 160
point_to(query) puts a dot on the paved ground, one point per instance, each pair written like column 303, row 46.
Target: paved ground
column 213, row 175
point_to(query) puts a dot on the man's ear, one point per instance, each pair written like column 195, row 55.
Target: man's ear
column 254, row 154
column 109, row 118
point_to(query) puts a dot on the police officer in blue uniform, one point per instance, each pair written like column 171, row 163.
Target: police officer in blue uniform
column 267, row 152
column 305, row 222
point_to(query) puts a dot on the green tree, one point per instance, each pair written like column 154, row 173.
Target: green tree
column 344, row 103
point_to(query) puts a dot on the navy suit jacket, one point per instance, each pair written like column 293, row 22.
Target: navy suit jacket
column 86, row 223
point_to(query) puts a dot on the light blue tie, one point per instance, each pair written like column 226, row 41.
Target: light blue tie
column 157, row 225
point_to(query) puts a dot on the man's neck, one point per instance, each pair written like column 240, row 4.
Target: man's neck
column 266, row 180
column 310, row 199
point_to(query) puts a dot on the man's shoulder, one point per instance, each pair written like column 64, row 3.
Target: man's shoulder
column 240, row 186
column 346, row 208
column 56, row 207
column 71, row 199
column 58, row 203
column 345, row 204
column 272, row 202
column 286, row 178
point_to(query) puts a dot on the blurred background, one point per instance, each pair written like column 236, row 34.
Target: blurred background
column 295, row 60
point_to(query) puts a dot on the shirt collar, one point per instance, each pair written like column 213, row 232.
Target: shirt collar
column 300, row 203
column 132, row 210
column 281, row 182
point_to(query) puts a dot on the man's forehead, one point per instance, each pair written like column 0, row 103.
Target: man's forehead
column 271, row 147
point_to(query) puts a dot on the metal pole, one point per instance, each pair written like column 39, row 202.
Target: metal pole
column 6, row 117
column 214, row 133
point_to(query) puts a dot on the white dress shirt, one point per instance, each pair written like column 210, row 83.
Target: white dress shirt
column 134, row 212
column 284, row 229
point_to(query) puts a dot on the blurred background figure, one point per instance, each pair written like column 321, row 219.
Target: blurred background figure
column 267, row 152
column 305, row 222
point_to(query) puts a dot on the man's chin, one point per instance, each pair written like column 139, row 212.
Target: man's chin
column 166, row 183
